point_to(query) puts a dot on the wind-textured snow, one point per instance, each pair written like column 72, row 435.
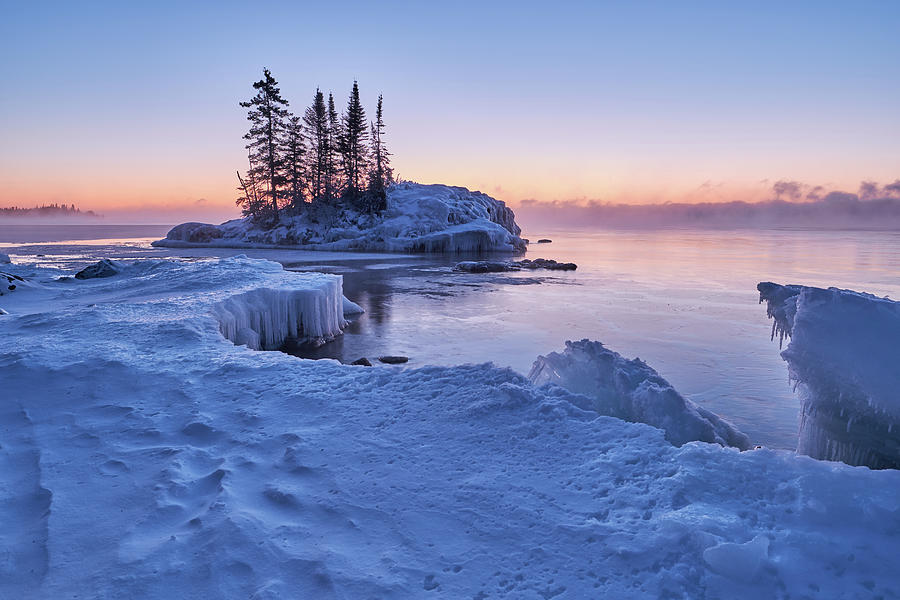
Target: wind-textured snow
column 632, row 391
column 144, row 455
column 843, row 355
column 418, row 218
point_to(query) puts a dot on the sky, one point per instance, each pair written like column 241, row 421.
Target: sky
column 131, row 109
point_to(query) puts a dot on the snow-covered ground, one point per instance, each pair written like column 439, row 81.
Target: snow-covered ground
column 843, row 357
column 144, row 455
column 419, row 218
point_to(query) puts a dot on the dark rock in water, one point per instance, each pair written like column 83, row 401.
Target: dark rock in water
column 544, row 241
column 104, row 268
column 393, row 360
column 484, row 266
column 545, row 263
column 362, row 362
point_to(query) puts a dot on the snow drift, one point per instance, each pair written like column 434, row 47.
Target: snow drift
column 144, row 455
column 419, row 218
column 843, row 355
column 631, row 390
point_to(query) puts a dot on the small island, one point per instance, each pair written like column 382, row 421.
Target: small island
column 324, row 182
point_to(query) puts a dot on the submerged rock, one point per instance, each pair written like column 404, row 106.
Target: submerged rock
column 544, row 241
column 393, row 360
column 545, row 263
column 486, row 266
column 103, row 268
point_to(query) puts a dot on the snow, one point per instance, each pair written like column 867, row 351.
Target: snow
column 144, row 455
column 632, row 391
column 4, row 259
column 843, row 358
column 419, row 218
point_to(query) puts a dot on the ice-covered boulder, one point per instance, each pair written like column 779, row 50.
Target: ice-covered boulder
column 195, row 233
column 418, row 218
column 631, row 390
column 844, row 356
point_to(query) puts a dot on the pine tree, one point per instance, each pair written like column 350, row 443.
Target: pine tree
column 381, row 175
column 294, row 157
column 333, row 184
column 354, row 138
column 266, row 115
column 316, row 122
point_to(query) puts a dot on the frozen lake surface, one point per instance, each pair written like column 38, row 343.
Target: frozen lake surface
column 685, row 301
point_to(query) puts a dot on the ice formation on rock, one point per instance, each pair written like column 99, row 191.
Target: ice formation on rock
column 632, row 391
column 419, row 218
column 262, row 319
column 844, row 357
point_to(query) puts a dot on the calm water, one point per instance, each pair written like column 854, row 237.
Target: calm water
column 685, row 301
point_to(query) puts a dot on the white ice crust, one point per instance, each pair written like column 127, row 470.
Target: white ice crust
column 419, row 218
column 632, row 391
column 144, row 455
column 844, row 357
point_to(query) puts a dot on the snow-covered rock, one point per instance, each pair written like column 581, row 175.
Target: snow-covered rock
column 418, row 218
column 631, row 390
column 844, row 356
column 102, row 268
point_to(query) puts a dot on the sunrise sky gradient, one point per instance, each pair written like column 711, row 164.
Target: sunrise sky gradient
column 133, row 111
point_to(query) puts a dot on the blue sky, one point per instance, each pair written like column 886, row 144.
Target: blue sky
column 129, row 105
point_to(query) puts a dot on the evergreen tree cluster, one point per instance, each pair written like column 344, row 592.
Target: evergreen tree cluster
column 320, row 159
column 47, row 210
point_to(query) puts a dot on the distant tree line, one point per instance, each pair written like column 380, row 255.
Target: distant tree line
column 47, row 210
column 321, row 159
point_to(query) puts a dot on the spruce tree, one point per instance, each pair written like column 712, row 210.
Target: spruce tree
column 354, row 138
column 333, row 184
column 381, row 174
column 294, row 157
column 266, row 115
column 316, row 122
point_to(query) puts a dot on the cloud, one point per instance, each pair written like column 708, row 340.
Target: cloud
column 834, row 209
column 789, row 190
column 869, row 190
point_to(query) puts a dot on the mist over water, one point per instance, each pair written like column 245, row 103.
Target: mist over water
column 684, row 301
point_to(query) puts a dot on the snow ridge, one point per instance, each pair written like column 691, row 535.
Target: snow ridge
column 843, row 358
column 632, row 391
